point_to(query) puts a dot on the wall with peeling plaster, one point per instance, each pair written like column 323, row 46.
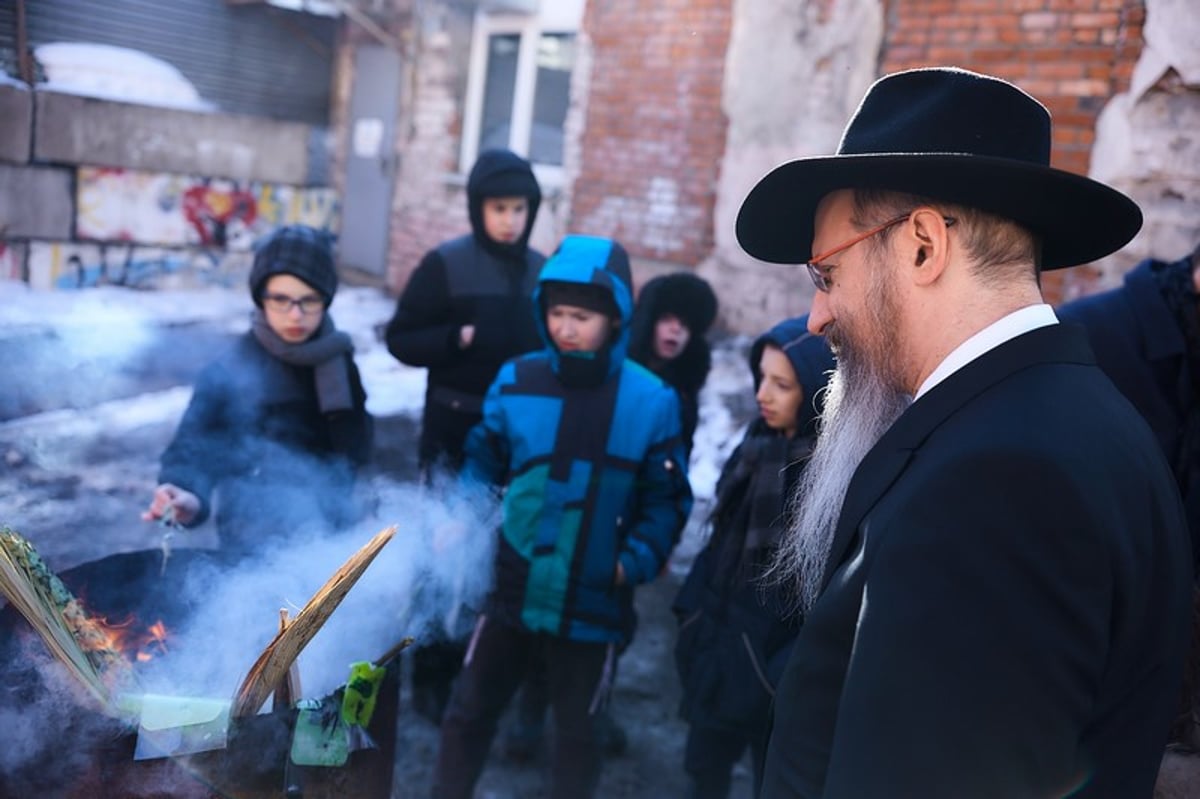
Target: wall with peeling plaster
column 794, row 73
column 1148, row 142
column 661, row 149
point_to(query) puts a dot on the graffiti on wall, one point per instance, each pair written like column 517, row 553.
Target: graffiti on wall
column 73, row 265
column 180, row 211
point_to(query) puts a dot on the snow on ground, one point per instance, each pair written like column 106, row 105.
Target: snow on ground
column 92, row 385
column 114, row 323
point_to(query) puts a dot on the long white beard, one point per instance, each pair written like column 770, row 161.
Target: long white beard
column 859, row 409
column 863, row 400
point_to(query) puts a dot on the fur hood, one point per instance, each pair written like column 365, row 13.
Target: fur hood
column 690, row 298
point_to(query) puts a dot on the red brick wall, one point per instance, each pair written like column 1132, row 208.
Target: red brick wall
column 654, row 132
column 1073, row 55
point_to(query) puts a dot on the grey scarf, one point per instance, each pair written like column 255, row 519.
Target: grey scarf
column 327, row 352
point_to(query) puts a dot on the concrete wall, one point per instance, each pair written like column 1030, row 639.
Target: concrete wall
column 95, row 192
column 16, row 122
column 83, row 130
column 36, row 202
column 793, row 75
column 1148, row 143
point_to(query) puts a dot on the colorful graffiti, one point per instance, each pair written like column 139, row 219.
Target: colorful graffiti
column 71, row 265
column 155, row 208
column 210, row 211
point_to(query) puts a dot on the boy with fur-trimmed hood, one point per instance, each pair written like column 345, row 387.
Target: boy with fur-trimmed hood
column 587, row 445
column 667, row 336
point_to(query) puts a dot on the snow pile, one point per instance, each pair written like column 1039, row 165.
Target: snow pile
column 117, row 73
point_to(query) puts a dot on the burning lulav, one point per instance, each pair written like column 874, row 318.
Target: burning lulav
column 72, row 636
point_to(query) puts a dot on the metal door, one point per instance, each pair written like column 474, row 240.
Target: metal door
column 370, row 159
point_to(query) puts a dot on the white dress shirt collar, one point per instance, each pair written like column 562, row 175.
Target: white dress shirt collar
column 1008, row 327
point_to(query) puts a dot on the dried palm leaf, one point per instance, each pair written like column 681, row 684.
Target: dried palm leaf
column 81, row 643
column 273, row 664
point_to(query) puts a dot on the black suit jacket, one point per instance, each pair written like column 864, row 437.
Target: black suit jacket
column 1006, row 608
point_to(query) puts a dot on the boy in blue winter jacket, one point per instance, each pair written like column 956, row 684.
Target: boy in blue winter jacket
column 588, row 447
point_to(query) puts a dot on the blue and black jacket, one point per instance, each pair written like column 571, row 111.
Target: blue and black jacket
column 594, row 470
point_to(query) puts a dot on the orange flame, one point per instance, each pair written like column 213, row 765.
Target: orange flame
column 136, row 643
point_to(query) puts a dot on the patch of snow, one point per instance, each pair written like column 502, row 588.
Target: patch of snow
column 105, row 321
column 116, row 73
column 324, row 8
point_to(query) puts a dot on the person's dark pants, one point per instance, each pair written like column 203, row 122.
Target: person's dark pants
column 439, row 449
column 533, row 699
column 443, row 435
column 710, row 756
column 435, row 665
column 497, row 660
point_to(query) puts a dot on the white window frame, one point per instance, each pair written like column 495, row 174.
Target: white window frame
column 552, row 16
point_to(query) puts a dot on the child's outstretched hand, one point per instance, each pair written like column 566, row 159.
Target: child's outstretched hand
column 174, row 503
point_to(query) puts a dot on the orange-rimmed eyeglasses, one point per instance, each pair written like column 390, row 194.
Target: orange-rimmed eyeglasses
column 820, row 272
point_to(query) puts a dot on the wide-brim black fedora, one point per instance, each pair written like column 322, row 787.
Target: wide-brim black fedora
column 952, row 135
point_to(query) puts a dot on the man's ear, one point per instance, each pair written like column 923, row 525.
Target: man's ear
column 928, row 241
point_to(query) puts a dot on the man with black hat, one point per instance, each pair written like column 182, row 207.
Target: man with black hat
column 989, row 552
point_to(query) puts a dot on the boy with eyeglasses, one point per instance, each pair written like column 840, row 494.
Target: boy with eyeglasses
column 277, row 426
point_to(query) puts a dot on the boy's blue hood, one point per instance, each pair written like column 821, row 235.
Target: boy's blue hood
column 591, row 261
column 811, row 359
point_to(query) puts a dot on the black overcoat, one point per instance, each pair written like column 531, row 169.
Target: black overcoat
column 1006, row 612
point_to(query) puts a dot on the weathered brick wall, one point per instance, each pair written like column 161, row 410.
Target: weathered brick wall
column 429, row 205
column 654, row 132
column 1073, row 55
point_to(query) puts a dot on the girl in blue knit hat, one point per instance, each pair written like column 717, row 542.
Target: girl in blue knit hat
column 734, row 634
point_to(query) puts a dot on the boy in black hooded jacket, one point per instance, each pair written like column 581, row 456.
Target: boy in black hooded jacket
column 467, row 309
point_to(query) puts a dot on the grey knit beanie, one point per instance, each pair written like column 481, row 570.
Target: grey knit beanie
column 299, row 250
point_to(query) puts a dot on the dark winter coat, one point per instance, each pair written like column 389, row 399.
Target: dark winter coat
column 1141, row 346
column 735, row 634
column 470, row 280
column 594, row 469
column 1006, row 607
column 254, row 436
column 691, row 299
